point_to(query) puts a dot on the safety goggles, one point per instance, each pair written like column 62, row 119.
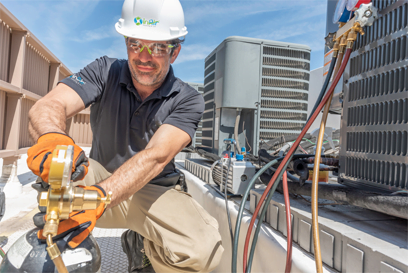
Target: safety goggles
column 155, row 49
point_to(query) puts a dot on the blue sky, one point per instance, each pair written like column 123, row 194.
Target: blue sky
column 78, row 32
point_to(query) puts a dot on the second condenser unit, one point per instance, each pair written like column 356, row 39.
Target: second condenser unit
column 265, row 83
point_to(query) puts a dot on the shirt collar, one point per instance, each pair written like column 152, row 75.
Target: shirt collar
column 169, row 86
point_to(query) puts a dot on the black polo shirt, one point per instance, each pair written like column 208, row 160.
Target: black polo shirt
column 122, row 124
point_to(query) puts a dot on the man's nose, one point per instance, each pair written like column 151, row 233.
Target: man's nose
column 145, row 55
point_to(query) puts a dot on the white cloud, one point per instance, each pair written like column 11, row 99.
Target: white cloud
column 100, row 33
column 193, row 52
column 58, row 19
column 303, row 25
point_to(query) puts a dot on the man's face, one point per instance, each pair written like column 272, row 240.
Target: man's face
column 147, row 69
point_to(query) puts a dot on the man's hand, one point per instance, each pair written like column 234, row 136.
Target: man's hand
column 80, row 223
column 40, row 156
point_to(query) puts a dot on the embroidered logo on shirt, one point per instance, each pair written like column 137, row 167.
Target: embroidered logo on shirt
column 77, row 79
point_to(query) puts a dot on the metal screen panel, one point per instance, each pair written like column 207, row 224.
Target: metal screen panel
column 5, row 35
column 80, row 129
column 197, row 139
column 36, row 71
column 208, row 116
column 25, row 140
column 3, row 98
column 374, row 132
column 284, row 91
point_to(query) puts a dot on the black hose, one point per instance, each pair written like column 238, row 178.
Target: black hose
column 319, row 99
column 269, row 197
column 226, row 199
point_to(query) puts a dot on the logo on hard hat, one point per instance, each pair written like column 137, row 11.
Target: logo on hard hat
column 142, row 21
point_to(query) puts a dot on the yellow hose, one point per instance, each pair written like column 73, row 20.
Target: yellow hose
column 351, row 37
column 55, row 255
column 316, row 170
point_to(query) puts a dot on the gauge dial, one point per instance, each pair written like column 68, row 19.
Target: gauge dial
column 341, row 14
column 353, row 5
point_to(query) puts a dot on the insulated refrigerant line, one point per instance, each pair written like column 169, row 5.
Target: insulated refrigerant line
column 285, row 162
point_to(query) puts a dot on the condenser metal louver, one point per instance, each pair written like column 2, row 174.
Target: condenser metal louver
column 268, row 80
column 208, row 115
column 374, row 130
column 284, row 91
column 197, row 140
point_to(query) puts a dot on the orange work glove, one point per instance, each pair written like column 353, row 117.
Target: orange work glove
column 80, row 223
column 40, row 156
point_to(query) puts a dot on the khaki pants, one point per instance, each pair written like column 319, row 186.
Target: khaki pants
column 180, row 236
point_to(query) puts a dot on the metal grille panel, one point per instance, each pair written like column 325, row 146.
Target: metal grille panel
column 283, row 94
column 282, row 104
column 36, row 71
column 283, row 115
column 61, row 76
column 81, row 129
column 292, row 63
column 285, row 85
column 292, row 84
column 266, row 124
column 283, row 52
column 287, row 73
column 265, row 136
column 374, row 135
column 206, row 138
column 3, row 98
column 25, row 140
column 5, row 35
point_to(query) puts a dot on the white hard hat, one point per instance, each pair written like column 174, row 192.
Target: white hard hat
column 154, row 20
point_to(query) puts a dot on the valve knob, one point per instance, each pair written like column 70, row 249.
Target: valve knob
column 107, row 200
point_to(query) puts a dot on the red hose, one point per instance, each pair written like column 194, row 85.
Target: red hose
column 291, row 151
column 288, row 223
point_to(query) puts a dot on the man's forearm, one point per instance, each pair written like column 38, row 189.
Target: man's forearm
column 133, row 175
column 46, row 117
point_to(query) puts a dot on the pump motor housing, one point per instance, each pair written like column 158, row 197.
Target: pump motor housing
column 238, row 177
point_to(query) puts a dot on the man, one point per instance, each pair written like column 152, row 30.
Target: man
column 141, row 117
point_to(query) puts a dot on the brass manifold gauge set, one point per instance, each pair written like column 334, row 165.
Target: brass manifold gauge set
column 347, row 32
column 62, row 198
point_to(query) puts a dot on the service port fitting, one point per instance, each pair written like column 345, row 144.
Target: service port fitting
column 343, row 43
column 351, row 37
column 336, row 48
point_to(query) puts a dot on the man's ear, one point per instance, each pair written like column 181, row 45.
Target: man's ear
column 175, row 53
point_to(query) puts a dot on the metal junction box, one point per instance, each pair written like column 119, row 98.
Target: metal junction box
column 374, row 128
column 268, row 80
